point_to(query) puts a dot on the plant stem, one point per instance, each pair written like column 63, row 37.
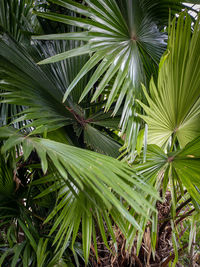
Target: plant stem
column 171, row 257
column 162, row 227
column 173, row 142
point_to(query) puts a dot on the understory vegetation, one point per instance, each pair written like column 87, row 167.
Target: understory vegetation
column 99, row 133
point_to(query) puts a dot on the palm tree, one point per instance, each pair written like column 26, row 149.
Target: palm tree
column 49, row 146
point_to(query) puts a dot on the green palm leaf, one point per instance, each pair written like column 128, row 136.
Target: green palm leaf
column 125, row 43
column 73, row 210
column 186, row 164
column 24, row 83
column 119, row 33
column 42, row 91
column 7, row 184
column 85, row 177
column 174, row 104
column 84, row 167
column 180, row 166
column 17, row 19
column 177, row 172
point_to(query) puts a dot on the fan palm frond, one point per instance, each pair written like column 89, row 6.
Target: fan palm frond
column 86, row 174
column 174, row 104
column 117, row 43
column 125, row 43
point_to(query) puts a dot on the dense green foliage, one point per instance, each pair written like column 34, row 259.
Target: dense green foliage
column 93, row 143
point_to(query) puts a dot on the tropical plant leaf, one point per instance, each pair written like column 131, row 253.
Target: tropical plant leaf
column 100, row 142
column 16, row 18
column 7, row 185
column 176, row 171
column 24, row 83
column 42, row 91
column 118, row 42
column 126, row 42
column 174, row 104
column 86, row 174
column 94, row 169
column 186, row 164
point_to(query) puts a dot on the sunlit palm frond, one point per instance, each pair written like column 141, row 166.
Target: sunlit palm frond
column 85, row 167
column 86, row 178
column 174, row 103
column 123, row 41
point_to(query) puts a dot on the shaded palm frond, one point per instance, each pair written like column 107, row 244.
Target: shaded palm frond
column 16, row 18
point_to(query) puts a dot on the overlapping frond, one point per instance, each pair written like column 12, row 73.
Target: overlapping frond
column 17, row 19
column 87, row 173
column 125, row 42
column 122, row 40
column 177, row 173
column 41, row 91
